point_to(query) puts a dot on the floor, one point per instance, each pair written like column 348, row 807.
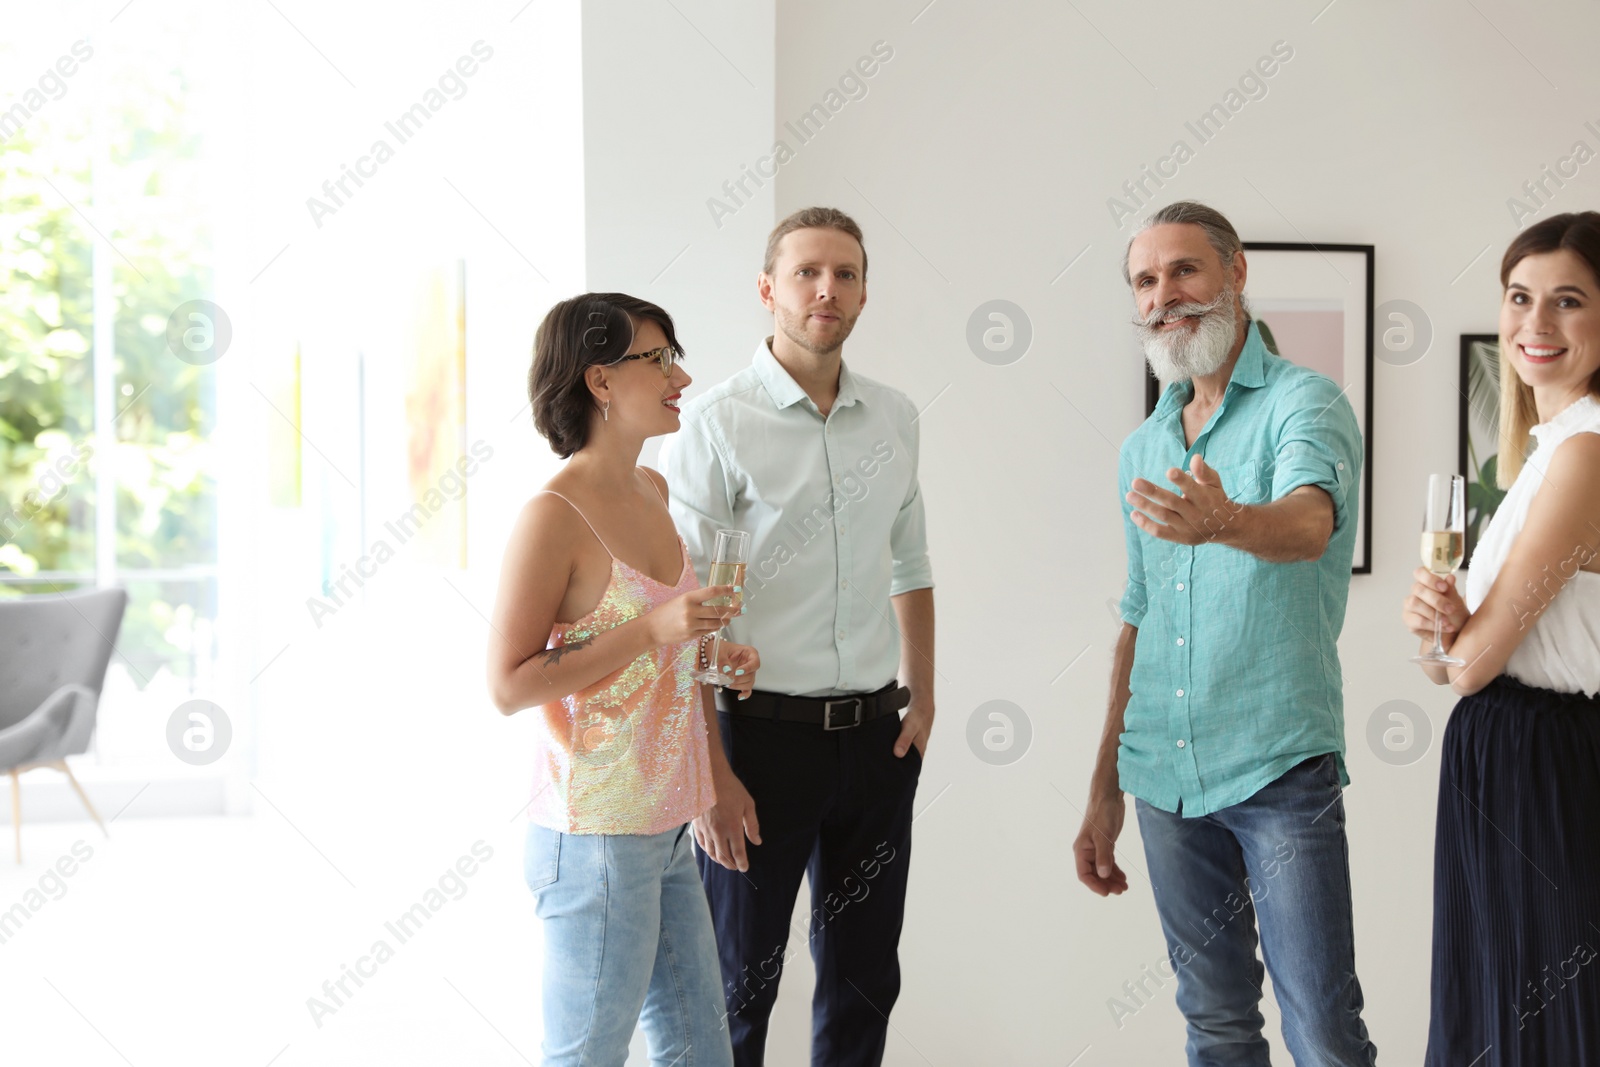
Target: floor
column 223, row 940
column 208, row 941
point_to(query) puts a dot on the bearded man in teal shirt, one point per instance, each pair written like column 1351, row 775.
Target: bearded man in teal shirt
column 1226, row 718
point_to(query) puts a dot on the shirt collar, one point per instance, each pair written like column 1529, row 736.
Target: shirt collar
column 1567, row 420
column 848, row 393
column 1249, row 372
column 785, row 391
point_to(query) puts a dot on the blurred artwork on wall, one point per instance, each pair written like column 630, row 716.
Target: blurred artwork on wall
column 281, row 387
column 436, row 419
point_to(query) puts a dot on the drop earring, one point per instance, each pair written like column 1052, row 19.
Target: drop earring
column 605, row 412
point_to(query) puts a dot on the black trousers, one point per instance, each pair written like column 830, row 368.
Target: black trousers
column 1516, row 881
column 835, row 806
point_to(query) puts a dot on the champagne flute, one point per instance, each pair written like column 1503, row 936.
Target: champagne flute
column 727, row 568
column 1444, row 538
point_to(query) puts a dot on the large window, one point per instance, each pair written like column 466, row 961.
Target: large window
column 105, row 461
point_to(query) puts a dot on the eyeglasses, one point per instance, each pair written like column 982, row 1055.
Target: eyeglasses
column 666, row 357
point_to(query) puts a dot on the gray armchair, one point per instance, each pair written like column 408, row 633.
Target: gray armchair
column 54, row 650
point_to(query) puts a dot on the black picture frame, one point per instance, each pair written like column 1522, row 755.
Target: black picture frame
column 1362, row 563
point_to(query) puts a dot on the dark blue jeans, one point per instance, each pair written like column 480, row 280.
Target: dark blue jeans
column 1279, row 860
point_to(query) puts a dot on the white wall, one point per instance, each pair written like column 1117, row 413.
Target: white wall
column 676, row 98
column 979, row 163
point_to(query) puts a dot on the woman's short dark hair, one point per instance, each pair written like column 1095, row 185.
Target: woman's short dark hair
column 585, row 331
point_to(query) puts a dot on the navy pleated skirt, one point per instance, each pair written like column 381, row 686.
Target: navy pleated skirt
column 1516, row 908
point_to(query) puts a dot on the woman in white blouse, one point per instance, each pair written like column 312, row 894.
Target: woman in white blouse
column 1516, row 933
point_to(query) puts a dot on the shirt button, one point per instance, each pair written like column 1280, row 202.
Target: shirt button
column 844, row 585
column 841, row 634
column 1180, row 587
column 1180, row 640
column 1180, row 692
column 1341, row 465
column 1180, row 744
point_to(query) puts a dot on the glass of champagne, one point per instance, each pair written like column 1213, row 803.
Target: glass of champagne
column 728, row 558
column 1444, row 541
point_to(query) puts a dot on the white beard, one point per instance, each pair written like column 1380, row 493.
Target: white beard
column 1184, row 355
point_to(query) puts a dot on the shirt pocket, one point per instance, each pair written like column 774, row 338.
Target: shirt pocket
column 1248, row 482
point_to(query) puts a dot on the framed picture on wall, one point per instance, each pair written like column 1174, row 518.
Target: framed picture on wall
column 1313, row 303
column 1480, row 434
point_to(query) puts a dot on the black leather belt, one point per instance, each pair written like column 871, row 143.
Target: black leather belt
column 830, row 713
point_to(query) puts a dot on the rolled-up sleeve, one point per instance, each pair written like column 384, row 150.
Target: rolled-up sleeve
column 1319, row 443
column 701, row 496
column 1134, row 601
column 908, row 538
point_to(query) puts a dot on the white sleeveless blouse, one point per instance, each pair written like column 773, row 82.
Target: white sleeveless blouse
column 1562, row 649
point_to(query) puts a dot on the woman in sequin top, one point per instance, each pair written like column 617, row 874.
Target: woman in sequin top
column 598, row 623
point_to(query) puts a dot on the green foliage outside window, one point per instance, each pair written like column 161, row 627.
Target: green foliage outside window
column 152, row 195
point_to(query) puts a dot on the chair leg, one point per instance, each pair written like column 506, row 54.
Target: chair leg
column 16, row 812
column 61, row 765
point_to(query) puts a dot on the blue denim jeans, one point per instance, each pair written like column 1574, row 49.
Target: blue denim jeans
column 1280, row 860
column 627, row 939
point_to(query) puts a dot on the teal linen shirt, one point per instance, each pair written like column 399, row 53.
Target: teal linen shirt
column 1236, row 673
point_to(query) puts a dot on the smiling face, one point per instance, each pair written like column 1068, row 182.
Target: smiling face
column 816, row 289
column 1550, row 325
column 642, row 400
column 1187, row 312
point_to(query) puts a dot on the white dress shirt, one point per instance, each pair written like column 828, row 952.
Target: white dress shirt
column 834, row 512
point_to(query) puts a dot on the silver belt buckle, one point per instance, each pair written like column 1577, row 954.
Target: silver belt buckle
column 827, row 714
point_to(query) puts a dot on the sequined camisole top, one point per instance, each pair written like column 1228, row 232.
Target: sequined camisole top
column 627, row 754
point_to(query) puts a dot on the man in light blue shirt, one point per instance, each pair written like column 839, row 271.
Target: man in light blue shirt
column 811, row 491
column 819, row 465
column 1227, row 717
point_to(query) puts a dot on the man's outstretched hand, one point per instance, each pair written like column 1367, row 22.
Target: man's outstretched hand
column 1198, row 513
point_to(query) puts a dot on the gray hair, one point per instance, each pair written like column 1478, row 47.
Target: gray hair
column 1219, row 231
